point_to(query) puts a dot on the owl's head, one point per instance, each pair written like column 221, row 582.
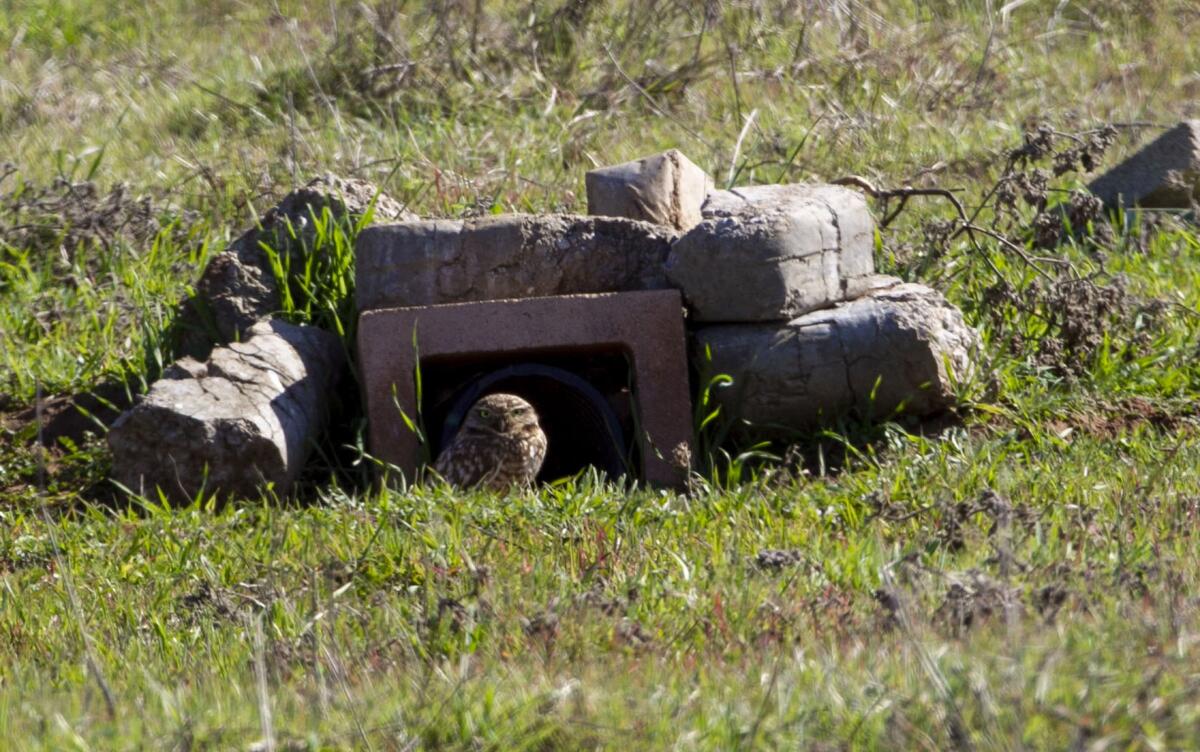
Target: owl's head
column 504, row 414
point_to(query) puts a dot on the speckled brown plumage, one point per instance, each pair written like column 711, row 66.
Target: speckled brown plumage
column 499, row 445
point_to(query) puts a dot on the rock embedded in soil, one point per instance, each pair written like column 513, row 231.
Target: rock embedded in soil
column 243, row 419
column 773, row 252
column 1165, row 174
column 666, row 189
column 343, row 196
column 505, row 257
column 895, row 348
column 238, row 287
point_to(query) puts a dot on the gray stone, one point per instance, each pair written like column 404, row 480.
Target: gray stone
column 666, row 189
column 857, row 287
column 231, row 425
column 503, row 257
column 236, row 290
column 895, row 348
column 1165, row 174
column 773, row 252
column 343, row 196
column 238, row 287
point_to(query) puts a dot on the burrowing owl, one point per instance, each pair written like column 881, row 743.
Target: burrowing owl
column 499, row 445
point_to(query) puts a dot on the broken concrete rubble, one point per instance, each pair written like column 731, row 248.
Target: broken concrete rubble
column 238, row 287
column 774, row 252
column 666, row 189
column 807, row 328
column 898, row 347
column 246, row 416
column 780, row 282
column 1165, row 174
column 230, row 426
column 504, row 257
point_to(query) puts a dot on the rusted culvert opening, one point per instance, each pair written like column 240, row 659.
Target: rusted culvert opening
column 582, row 397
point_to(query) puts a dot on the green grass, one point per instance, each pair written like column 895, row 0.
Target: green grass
column 866, row 591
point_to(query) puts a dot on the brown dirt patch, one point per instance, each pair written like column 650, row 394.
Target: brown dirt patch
column 1108, row 420
column 70, row 416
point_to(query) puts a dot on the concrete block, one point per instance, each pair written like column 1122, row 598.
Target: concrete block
column 1165, row 174
column 238, row 287
column 773, row 252
column 666, row 189
column 895, row 346
column 646, row 326
column 857, row 287
column 244, row 418
column 503, row 257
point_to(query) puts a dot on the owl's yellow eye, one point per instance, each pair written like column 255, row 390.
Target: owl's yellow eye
column 485, row 413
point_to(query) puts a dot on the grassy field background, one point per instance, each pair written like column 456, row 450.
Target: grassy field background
column 1024, row 576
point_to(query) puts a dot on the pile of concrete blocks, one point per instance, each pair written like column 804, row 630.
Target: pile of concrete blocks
column 779, row 284
column 782, row 290
column 242, row 410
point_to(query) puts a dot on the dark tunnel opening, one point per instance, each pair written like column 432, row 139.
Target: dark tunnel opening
column 583, row 398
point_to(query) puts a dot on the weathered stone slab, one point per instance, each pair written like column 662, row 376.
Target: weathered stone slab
column 895, row 347
column 666, row 189
column 230, row 425
column 1165, row 174
column 238, row 288
column 503, row 257
column 773, row 252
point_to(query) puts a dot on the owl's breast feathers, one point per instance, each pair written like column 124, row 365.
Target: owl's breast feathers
column 496, row 462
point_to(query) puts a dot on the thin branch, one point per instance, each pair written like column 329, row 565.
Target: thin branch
column 1014, row 248
column 903, row 193
column 967, row 225
column 737, row 148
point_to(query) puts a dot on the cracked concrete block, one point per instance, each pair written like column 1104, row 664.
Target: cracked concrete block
column 244, row 418
column 1165, row 174
column 504, row 257
column 895, row 348
column 666, row 189
column 773, row 252
column 857, row 287
column 238, row 287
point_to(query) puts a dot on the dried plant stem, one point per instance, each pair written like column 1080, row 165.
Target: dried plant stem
column 737, row 148
column 966, row 225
